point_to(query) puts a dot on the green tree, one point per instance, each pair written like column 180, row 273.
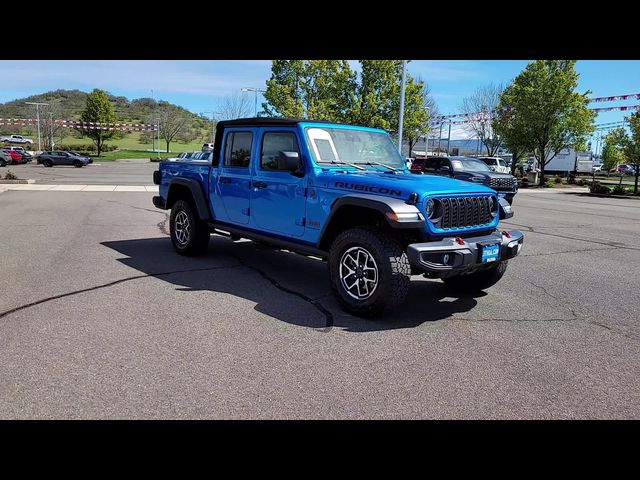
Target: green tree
column 629, row 143
column 511, row 132
column 313, row 89
column 419, row 108
column 377, row 102
column 611, row 152
column 98, row 109
column 549, row 115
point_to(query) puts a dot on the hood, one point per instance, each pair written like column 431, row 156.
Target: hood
column 396, row 185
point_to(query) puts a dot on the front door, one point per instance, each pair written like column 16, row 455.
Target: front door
column 234, row 177
column 277, row 197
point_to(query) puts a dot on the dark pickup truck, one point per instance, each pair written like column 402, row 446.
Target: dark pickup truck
column 468, row 169
column 342, row 193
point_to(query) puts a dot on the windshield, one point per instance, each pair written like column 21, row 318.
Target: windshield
column 352, row 146
column 469, row 164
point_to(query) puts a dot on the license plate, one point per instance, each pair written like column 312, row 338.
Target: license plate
column 490, row 253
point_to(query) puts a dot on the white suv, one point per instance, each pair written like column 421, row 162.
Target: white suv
column 496, row 164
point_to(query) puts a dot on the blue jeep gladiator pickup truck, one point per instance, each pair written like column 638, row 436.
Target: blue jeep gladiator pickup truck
column 342, row 193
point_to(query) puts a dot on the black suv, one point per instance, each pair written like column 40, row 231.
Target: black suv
column 468, row 169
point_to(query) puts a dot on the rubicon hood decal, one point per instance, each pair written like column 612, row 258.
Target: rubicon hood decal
column 368, row 188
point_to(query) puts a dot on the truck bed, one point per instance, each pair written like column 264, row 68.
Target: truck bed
column 196, row 169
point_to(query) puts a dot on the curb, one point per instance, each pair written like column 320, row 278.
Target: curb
column 14, row 182
column 624, row 197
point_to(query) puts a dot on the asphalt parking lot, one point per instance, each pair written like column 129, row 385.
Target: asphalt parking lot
column 121, row 172
column 99, row 318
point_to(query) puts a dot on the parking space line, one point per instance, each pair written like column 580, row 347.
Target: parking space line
column 130, row 188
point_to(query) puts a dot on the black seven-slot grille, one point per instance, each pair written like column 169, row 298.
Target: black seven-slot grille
column 460, row 212
column 502, row 182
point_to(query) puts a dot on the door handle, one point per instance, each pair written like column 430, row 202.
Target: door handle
column 259, row 185
column 224, row 180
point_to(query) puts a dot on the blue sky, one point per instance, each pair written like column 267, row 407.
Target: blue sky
column 201, row 85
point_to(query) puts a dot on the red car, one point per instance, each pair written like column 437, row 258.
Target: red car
column 624, row 169
column 15, row 156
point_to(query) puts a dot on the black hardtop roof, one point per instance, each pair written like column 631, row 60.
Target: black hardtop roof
column 267, row 121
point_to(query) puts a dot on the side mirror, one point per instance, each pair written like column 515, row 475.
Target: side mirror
column 290, row 162
column 445, row 169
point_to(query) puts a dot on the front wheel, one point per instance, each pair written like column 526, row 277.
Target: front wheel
column 478, row 281
column 3, row 163
column 78, row 164
column 47, row 163
column 189, row 235
column 369, row 271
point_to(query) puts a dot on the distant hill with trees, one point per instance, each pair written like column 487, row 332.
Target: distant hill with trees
column 69, row 105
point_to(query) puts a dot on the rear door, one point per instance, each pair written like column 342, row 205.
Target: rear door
column 234, row 179
column 278, row 198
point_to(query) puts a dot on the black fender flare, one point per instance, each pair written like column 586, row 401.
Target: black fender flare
column 199, row 198
column 398, row 213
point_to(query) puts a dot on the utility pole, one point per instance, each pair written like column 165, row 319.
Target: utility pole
column 51, row 130
column 402, row 87
column 153, row 132
column 255, row 90
column 449, row 139
column 213, row 123
column 37, row 104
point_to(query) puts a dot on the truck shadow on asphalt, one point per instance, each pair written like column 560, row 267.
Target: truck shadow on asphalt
column 256, row 273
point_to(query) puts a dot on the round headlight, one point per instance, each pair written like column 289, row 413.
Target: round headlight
column 430, row 207
column 433, row 209
column 494, row 206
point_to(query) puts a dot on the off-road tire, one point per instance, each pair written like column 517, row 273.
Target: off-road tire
column 394, row 270
column 196, row 241
column 478, row 281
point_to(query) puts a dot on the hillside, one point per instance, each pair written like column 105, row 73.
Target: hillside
column 69, row 104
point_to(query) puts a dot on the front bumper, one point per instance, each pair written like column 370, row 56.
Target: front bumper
column 451, row 255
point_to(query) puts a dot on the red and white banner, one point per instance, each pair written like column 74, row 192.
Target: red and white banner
column 80, row 125
column 630, row 96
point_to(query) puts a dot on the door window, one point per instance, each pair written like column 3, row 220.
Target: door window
column 272, row 144
column 238, row 149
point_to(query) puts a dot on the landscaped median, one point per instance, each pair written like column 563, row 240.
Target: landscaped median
column 10, row 178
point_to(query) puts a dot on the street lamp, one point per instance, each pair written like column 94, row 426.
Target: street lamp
column 256, row 90
column 213, row 123
column 37, row 104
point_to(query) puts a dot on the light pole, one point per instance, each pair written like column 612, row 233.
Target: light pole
column 37, row 104
column 153, row 131
column 255, row 90
column 213, row 123
column 51, row 130
column 404, row 75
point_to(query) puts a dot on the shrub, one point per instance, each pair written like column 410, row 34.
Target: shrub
column 84, row 148
column 10, row 176
column 619, row 190
column 548, row 185
column 558, row 179
column 581, row 183
column 597, row 187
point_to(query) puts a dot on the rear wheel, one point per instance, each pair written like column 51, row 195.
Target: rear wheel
column 478, row 281
column 369, row 271
column 189, row 235
column 3, row 162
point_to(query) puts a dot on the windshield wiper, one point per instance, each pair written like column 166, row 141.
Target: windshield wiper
column 347, row 163
column 383, row 165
